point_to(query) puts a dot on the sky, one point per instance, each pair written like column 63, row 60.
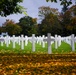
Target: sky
column 32, row 9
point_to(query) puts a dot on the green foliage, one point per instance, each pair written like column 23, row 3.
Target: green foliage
column 8, row 7
column 62, row 2
column 44, row 11
column 12, row 28
column 50, row 21
column 52, row 0
column 69, row 21
column 50, row 24
column 65, row 8
column 73, row 10
column 66, row 22
column 28, row 25
column 1, row 30
column 58, row 23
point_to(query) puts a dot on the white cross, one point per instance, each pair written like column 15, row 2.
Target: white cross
column 56, row 40
column 26, row 40
column 1, row 40
column 7, row 41
column 22, row 42
column 49, row 39
column 19, row 40
column 43, row 43
column 33, row 42
column 73, row 42
column 13, row 40
column 59, row 40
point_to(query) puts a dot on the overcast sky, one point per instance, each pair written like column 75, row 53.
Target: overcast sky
column 32, row 9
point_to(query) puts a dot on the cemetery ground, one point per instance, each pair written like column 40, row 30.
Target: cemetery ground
column 25, row 62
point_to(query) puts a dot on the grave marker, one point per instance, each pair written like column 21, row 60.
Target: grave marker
column 22, row 42
column 19, row 42
column 26, row 40
column 56, row 40
column 59, row 40
column 1, row 40
column 7, row 41
column 13, row 40
column 72, row 42
column 33, row 42
column 38, row 40
column 43, row 43
column 49, row 39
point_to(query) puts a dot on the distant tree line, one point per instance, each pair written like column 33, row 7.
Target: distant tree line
column 52, row 21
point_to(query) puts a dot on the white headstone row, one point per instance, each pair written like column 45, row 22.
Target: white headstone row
column 70, row 40
column 23, row 41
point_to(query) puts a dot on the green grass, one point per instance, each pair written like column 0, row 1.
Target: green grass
column 27, row 49
column 64, row 48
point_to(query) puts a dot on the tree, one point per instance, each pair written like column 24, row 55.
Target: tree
column 44, row 11
column 28, row 25
column 50, row 20
column 50, row 24
column 7, row 22
column 62, row 2
column 69, row 21
column 73, row 25
column 72, row 9
column 1, row 30
column 8, row 7
column 64, row 9
column 12, row 28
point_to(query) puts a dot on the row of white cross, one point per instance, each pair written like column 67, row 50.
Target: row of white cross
column 49, row 39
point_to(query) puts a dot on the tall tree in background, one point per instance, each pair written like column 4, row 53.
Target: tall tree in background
column 64, row 3
column 1, row 30
column 11, row 27
column 44, row 11
column 64, row 9
column 28, row 25
column 69, row 21
column 50, row 22
column 8, row 7
column 72, row 10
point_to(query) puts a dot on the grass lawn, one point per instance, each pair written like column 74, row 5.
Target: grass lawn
column 64, row 48
column 25, row 62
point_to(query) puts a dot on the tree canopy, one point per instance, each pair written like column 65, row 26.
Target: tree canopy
column 50, row 22
column 44, row 11
column 69, row 21
column 8, row 7
column 11, row 27
column 28, row 25
column 62, row 2
column 61, row 24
